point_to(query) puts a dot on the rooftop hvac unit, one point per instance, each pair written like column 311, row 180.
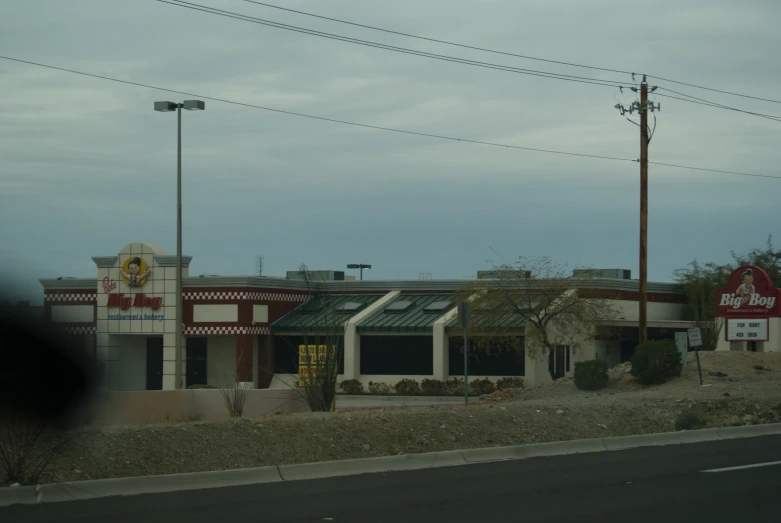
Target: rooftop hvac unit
column 614, row 274
column 503, row 275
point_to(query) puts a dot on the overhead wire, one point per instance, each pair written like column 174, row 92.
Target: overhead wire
column 425, row 54
column 571, row 64
column 494, row 51
column 701, row 101
column 369, row 126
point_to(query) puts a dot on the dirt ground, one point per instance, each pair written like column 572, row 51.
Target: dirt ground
column 742, row 395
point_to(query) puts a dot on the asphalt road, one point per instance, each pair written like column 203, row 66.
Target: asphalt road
column 652, row 484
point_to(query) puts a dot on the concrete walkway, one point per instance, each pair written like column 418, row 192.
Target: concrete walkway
column 344, row 402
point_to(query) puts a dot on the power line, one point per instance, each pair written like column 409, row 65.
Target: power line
column 716, row 90
column 368, row 126
column 702, row 101
column 404, row 50
column 571, row 64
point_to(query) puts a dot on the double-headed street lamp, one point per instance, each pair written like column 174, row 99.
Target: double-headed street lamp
column 361, row 266
column 167, row 107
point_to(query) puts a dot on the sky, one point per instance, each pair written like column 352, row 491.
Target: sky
column 87, row 166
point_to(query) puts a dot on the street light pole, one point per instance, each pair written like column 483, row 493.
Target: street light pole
column 190, row 105
column 360, row 266
column 178, row 351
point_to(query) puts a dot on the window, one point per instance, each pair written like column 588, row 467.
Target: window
column 437, row 306
column 398, row 306
column 395, row 355
column 350, row 306
column 506, row 359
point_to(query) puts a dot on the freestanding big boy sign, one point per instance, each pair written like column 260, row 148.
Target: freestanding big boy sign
column 749, row 295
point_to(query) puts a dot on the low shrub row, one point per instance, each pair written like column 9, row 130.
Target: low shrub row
column 432, row 387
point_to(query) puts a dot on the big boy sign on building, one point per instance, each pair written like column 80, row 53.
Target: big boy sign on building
column 749, row 293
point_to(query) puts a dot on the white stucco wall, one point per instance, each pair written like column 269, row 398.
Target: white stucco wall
column 630, row 310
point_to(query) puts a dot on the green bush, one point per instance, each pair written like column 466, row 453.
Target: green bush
column 689, row 421
column 481, row 386
column 433, row 387
column 408, row 387
column 509, row 383
column 454, row 387
column 591, row 374
column 381, row 388
column 655, row 362
column 352, row 387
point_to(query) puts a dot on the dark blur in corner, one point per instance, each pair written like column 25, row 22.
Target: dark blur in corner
column 43, row 373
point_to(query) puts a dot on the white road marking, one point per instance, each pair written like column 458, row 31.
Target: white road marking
column 741, row 467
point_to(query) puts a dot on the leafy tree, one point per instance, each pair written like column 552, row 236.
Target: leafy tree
column 540, row 295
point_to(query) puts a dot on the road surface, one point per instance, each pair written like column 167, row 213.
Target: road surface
column 652, row 484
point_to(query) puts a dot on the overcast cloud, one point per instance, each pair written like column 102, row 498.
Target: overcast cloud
column 86, row 166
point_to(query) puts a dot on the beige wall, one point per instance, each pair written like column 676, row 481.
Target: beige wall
column 221, row 361
column 168, row 406
column 630, row 310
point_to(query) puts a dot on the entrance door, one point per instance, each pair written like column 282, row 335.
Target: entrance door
column 154, row 363
column 196, row 361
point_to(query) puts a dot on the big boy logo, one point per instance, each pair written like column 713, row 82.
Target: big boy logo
column 749, row 293
column 135, row 271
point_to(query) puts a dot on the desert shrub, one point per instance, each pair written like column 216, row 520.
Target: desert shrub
column 481, row 386
column 777, row 408
column 591, row 374
column 381, row 388
column 352, row 387
column 433, row 387
column 28, row 446
column 509, row 383
column 408, row 387
column 689, row 421
column 454, row 387
column 656, row 361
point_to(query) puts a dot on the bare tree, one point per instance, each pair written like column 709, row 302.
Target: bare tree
column 539, row 294
column 325, row 336
column 236, row 396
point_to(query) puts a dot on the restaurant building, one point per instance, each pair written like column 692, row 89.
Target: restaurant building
column 247, row 328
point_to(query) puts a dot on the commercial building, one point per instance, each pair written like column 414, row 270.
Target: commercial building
column 248, row 328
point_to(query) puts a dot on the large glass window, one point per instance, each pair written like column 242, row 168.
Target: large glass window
column 506, row 358
column 397, row 355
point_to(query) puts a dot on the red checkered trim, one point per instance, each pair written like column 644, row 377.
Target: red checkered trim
column 241, row 295
column 226, row 330
column 71, row 297
column 78, row 330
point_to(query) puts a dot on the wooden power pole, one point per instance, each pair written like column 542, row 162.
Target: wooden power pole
column 643, row 107
column 643, row 324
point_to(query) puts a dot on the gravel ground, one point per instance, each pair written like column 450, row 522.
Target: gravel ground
column 551, row 413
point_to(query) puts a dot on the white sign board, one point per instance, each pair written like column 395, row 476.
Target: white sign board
column 694, row 338
column 747, row 330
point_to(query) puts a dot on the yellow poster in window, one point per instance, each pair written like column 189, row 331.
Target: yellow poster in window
column 310, row 359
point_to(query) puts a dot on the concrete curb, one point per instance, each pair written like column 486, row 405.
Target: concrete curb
column 81, row 490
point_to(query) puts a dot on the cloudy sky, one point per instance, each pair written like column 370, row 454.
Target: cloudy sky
column 86, row 165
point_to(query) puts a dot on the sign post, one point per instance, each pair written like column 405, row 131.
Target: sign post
column 463, row 319
column 695, row 340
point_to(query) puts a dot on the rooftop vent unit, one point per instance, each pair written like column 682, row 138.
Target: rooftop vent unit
column 316, row 275
column 503, row 275
column 614, row 274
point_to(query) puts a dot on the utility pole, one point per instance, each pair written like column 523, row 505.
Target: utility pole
column 646, row 134
column 643, row 324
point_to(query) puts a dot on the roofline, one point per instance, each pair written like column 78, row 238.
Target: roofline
column 384, row 286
